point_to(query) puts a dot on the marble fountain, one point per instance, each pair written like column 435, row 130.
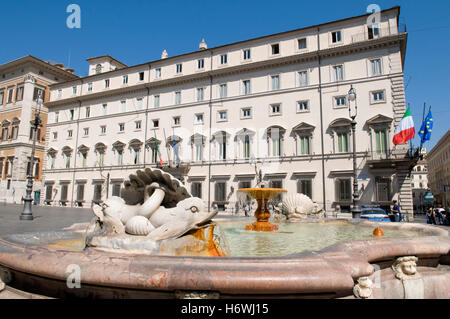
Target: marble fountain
column 157, row 241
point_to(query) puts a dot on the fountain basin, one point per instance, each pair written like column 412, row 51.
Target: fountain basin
column 37, row 267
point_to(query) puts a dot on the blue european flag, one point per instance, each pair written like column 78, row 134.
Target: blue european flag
column 426, row 129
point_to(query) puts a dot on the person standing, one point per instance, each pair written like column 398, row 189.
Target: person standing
column 396, row 211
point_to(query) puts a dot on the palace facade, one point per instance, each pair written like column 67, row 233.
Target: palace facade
column 21, row 82
column 277, row 103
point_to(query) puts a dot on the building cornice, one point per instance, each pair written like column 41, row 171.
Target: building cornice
column 38, row 62
column 237, row 69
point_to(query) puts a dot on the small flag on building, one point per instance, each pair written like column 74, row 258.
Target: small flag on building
column 426, row 129
column 405, row 130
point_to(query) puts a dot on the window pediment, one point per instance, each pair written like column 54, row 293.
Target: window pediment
column 341, row 123
column 379, row 120
column 304, row 128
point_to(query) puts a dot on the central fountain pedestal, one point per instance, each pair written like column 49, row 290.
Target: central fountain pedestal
column 262, row 196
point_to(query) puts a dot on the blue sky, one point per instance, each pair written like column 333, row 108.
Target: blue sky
column 136, row 31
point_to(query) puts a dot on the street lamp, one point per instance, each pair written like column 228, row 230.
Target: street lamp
column 27, row 214
column 353, row 112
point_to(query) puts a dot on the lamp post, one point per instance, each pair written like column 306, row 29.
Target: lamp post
column 353, row 112
column 27, row 214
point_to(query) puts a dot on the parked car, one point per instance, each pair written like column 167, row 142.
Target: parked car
column 374, row 214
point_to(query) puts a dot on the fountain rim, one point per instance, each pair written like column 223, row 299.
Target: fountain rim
column 354, row 259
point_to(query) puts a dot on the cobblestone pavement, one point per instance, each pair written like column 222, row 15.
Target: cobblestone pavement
column 45, row 218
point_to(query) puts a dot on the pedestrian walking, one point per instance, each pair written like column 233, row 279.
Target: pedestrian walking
column 396, row 211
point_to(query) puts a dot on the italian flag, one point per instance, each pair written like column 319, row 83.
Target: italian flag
column 405, row 130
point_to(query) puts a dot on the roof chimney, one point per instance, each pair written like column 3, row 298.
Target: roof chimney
column 203, row 45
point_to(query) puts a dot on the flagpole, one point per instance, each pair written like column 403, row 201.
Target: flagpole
column 423, row 119
column 167, row 149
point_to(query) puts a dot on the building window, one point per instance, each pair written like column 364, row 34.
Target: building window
column 119, row 157
column 381, row 142
column 199, row 118
column 176, row 120
column 343, row 190
column 55, row 136
column 247, row 54
column 105, row 109
column 179, row 68
column 156, row 101
column 59, row 94
column 342, row 142
column 301, row 44
column 107, row 83
column 139, row 103
column 196, row 189
column 223, row 115
column 220, row 192
column 121, row 127
column 2, row 97
column 305, row 145
column 5, row 134
column 201, row 64
column 247, row 87
column 80, row 194
column 71, row 114
column 86, row 131
column 158, row 73
column 338, row 73
column 116, row 190
column 49, row 193
column 340, row 101
column 10, row 95
column 246, row 113
column 156, row 123
column 103, row 129
column 123, row 106
column 38, row 92
column 138, row 125
column 177, row 97
column 69, row 133
column 304, row 187
column 83, row 159
column 246, row 147
column 141, row 76
column 376, row 68
column 302, row 78
column 275, row 109
column 303, row 106
column 67, row 160
column 97, row 193
column 89, row 87
column 275, row 49
column 373, row 31
column 125, row 79
column 378, row 97
column 98, row 69
column 200, row 93
column 88, row 111
column 19, row 93
column 223, row 59
column 336, row 36
column 74, row 90
column 383, row 189
column 275, row 81
column 223, row 91
column 56, row 117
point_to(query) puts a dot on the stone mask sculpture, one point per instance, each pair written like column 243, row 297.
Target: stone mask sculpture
column 153, row 206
